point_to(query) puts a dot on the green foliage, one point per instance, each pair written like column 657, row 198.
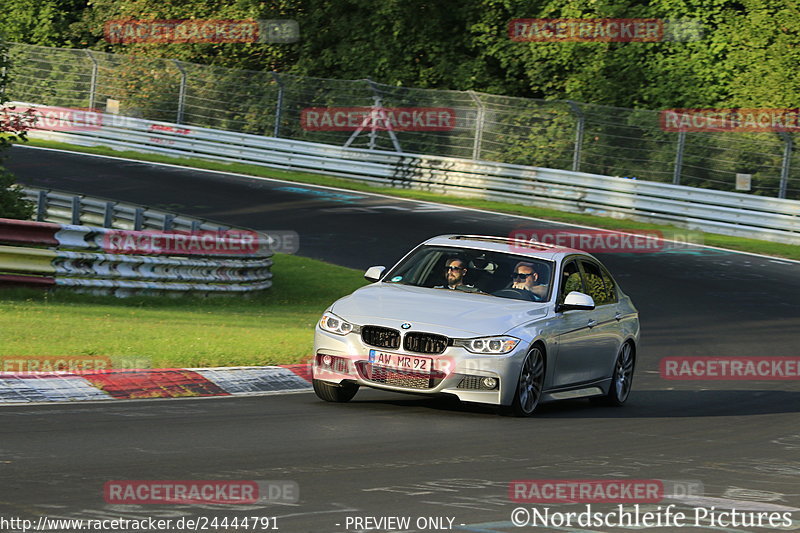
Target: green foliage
column 258, row 56
column 12, row 202
column 43, row 22
column 746, row 55
column 743, row 54
column 12, row 128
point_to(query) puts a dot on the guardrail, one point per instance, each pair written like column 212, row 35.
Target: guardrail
column 700, row 209
column 64, row 255
column 69, row 208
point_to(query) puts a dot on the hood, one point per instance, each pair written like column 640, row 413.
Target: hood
column 451, row 313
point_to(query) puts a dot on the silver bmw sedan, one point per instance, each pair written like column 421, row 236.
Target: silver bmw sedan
column 492, row 320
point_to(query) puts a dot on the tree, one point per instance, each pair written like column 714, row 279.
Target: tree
column 12, row 128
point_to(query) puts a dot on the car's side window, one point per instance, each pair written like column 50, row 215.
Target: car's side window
column 610, row 285
column 570, row 280
column 595, row 286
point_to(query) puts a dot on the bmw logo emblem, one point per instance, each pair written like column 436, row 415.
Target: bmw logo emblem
column 405, row 325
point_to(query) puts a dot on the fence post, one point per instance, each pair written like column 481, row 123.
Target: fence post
column 93, row 82
column 169, row 222
column 787, row 158
column 479, row 119
column 138, row 219
column 108, row 215
column 576, row 153
column 41, row 206
column 76, row 210
column 181, row 91
column 276, row 132
column 676, row 173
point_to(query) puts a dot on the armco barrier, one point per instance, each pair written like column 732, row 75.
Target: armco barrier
column 78, row 257
column 76, row 209
column 706, row 210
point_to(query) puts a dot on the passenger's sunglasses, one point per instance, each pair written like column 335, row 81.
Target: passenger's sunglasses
column 454, row 268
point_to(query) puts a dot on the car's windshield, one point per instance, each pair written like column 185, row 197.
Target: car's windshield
column 475, row 271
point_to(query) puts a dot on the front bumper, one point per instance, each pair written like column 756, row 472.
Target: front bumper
column 455, row 372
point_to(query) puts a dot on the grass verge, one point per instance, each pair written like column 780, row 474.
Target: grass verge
column 275, row 326
column 710, row 239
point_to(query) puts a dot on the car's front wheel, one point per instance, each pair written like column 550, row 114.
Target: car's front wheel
column 329, row 392
column 530, row 384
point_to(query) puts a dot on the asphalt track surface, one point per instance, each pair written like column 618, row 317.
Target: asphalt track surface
column 387, row 455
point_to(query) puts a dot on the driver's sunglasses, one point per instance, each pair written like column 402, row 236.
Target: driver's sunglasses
column 454, row 268
column 516, row 275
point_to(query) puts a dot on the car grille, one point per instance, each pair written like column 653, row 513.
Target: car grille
column 470, row 382
column 380, row 337
column 425, row 343
column 475, row 383
column 398, row 378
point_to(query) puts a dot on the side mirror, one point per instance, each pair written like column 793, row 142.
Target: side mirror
column 577, row 300
column 374, row 273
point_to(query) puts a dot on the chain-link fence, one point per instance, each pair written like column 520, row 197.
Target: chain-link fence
column 555, row 134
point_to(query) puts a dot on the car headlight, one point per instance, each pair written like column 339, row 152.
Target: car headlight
column 334, row 324
column 489, row 345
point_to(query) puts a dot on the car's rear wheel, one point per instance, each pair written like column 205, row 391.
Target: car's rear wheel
column 329, row 392
column 530, row 384
column 622, row 379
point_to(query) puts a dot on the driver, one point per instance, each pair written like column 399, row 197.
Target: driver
column 526, row 278
column 455, row 270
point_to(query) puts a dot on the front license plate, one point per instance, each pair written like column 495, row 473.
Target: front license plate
column 401, row 361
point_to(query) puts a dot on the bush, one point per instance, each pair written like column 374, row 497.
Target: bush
column 12, row 202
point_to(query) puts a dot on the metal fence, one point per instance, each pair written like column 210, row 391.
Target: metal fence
column 554, row 134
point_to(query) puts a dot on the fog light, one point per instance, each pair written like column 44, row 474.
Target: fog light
column 489, row 383
column 327, row 360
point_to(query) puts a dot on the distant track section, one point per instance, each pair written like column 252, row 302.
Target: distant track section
column 728, row 213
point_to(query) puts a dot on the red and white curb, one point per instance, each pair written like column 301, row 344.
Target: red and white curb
column 151, row 383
